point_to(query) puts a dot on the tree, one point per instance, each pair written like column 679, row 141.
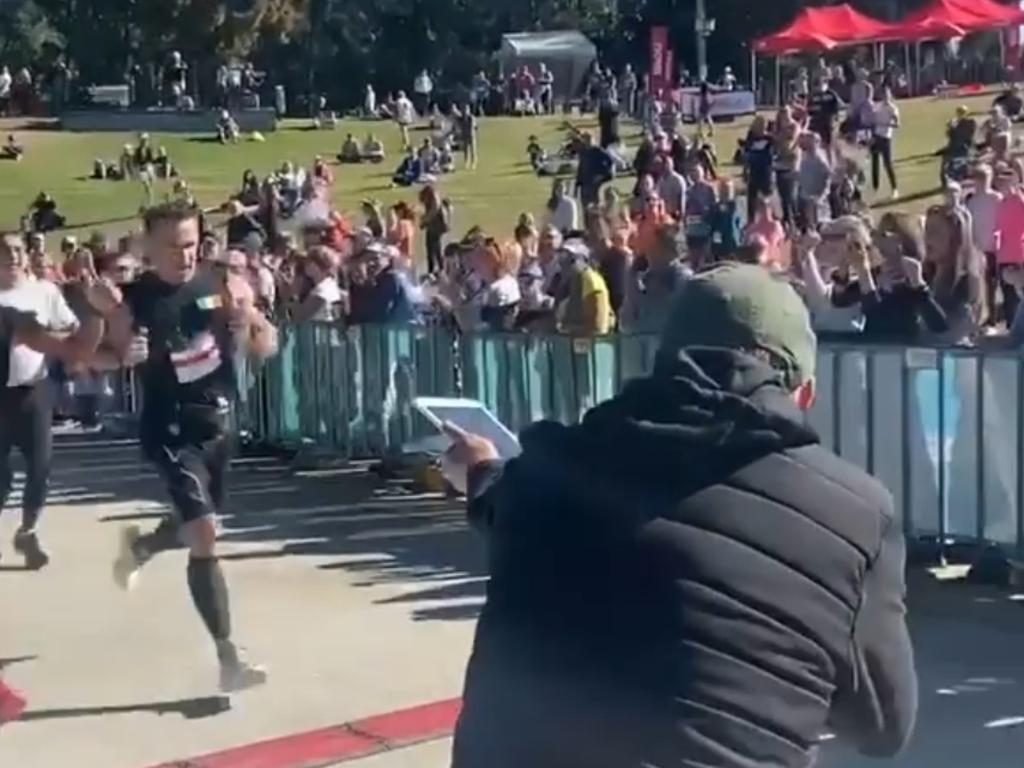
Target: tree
column 26, row 34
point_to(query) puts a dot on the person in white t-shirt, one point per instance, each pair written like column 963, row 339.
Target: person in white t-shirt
column 885, row 119
column 562, row 211
column 325, row 301
column 26, row 398
column 983, row 205
column 405, row 115
column 5, row 90
column 423, row 87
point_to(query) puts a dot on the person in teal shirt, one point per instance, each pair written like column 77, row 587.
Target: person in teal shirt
column 724, row 222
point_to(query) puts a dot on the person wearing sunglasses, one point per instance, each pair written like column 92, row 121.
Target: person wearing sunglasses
column 897, row 303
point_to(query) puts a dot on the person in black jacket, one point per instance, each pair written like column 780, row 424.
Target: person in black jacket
column 758, row 159
column 687, row 577
column 595, row 168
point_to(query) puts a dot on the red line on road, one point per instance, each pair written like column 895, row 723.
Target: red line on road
column 337, row 743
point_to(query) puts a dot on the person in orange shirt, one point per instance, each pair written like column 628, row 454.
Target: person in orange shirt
column 650, row 219
column 401, row 232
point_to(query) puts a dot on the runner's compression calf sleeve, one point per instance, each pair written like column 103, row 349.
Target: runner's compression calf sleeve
column 210, row 595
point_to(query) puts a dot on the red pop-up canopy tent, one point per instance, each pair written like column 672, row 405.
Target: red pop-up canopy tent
column 823, row 29
column 954, row 18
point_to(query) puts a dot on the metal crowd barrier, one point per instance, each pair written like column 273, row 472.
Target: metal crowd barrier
column 943, row 429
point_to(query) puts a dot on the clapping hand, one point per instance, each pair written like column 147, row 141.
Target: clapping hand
column 138, row 350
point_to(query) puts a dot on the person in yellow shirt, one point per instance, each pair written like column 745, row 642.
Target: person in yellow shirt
column 587, row 309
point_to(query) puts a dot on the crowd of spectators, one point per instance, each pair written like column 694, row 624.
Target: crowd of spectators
column 599, row 257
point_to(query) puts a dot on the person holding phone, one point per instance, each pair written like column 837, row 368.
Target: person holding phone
column 897, row 302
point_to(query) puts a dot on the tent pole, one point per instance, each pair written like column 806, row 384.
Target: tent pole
column 1002, row 55
column 906, row 62
column 778, row 81
column 917, row 73
column 753, row 73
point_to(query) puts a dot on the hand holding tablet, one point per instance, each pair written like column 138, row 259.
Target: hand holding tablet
column 475, row 433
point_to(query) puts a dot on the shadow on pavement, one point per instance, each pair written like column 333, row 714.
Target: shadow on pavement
column 379, row 531
column 967, row 637
column 190, row 709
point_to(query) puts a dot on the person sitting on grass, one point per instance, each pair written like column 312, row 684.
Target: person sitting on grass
column 536, row 153
column 163, row 166
column 409, row 171
column 430, row 158
column 350, row 152
column 373, row 149
column 12, row 150
column 446, row 156
column 227, row 129
column 43, row 215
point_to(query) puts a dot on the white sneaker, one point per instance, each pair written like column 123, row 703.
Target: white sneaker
column 127, row 565
column 237, row 674
column 895, row 194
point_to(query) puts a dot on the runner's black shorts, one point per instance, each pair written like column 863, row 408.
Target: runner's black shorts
column 193, row 457
column 195, row 475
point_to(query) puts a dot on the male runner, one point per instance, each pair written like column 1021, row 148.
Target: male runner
column 195, row 323
column 28, row 308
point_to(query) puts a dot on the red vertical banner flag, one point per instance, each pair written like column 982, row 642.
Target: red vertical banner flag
column 659, row 47
column 670, row 68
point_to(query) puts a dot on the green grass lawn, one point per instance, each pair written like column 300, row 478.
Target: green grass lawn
column 491, row 196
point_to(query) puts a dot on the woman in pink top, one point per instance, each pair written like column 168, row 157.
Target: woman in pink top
column 1010, row 239
column 770, row 231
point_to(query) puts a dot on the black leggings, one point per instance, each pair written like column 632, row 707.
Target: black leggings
column 26, row 420
column 757, row 187
column 881, row 149
column 786, row 182
column 435, row 262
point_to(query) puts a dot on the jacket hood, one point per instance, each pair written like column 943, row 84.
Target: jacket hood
column 699, row 417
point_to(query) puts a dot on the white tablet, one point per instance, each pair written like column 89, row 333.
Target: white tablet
column 472, row 416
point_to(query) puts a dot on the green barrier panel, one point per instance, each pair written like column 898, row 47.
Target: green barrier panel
column 634, row 357
column 943, row 429
column 288, row 416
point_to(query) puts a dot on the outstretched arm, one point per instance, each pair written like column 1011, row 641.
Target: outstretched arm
column 76, row 349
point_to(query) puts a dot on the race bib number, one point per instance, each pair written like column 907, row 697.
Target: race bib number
column 199, row 358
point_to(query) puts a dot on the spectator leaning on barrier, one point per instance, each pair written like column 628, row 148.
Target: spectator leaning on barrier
column 897, row 303
column 325, row 301
column 1009, row 226
column 587, row 309
column 955, row 272
column 379, row 293
column 752, row 599
column 614, row 263
column 656, row 276
column 825, row 263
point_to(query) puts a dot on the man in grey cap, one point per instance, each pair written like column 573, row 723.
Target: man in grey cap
column 687, row 578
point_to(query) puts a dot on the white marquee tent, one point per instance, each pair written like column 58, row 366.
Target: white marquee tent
column 567, row 54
